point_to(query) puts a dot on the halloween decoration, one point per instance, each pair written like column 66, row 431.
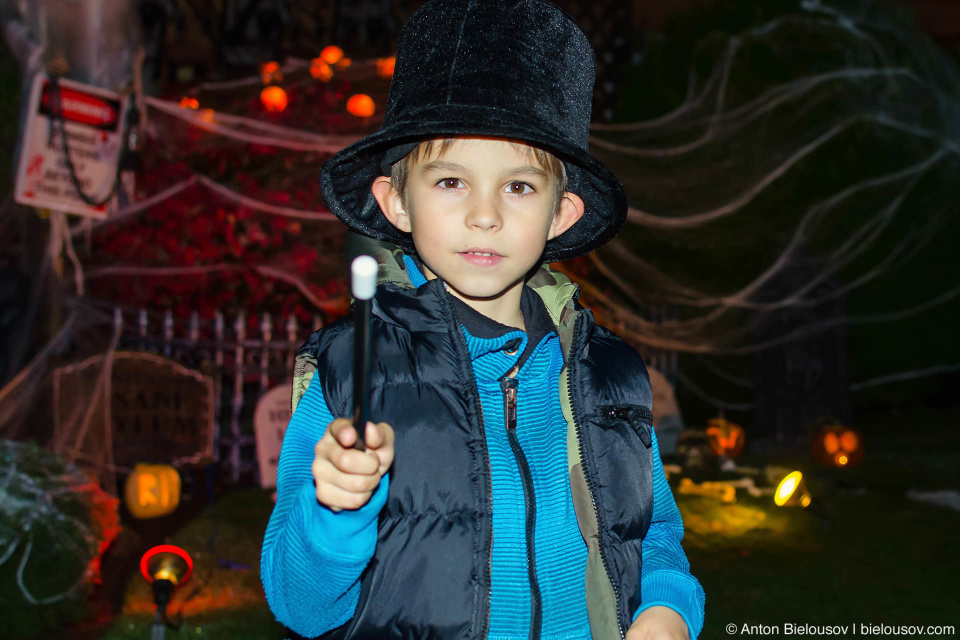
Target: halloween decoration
column 726, row 438
column 152, row 491
column 838, row 446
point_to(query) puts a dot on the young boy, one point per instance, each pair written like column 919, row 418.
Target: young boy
column 511, row 486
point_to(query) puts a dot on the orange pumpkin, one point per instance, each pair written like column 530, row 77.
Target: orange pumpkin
column 726, row 438
column 152, row 490
column 836, row 445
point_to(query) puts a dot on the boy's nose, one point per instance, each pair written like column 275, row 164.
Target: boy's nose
column 484, row 214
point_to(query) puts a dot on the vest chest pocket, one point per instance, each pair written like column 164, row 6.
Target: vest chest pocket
column 639, row 418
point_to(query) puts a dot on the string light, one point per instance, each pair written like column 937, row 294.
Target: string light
column 189, row 103
column 274, row 99
column 361, row 105
column 343, row 63
column 385, row 66
column 320, row 70
column 270, row 73
column 332, row 54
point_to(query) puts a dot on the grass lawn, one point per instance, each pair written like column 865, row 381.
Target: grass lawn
column 881, row 559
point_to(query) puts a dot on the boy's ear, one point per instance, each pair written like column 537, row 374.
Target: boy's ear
column 569, row 212
column 391, row 203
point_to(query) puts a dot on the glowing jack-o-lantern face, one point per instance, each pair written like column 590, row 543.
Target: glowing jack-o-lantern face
column 838, row 446
column 726, row 438
column 152, row 491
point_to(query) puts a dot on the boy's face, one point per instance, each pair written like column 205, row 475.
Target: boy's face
column 481, row 196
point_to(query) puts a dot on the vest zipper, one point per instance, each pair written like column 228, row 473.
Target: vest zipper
column 588, row 472
column 509, row 387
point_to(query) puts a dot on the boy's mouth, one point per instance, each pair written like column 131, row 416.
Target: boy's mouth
column 482, row 252
column 481, row 257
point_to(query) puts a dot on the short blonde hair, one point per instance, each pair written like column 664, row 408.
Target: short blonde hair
column 548, row 162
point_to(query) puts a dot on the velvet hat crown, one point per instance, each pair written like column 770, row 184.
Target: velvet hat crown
column 514, row 69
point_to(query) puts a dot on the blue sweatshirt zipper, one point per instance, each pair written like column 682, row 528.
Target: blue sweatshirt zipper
column 509, row 385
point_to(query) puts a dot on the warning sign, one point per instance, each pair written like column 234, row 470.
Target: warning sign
column 93, row 120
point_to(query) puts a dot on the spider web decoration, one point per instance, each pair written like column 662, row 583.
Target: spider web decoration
column 824, row 135
column 54, row 524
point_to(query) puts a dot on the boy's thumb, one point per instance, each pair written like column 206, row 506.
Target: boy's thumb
column 346, row 435
column 374, row 439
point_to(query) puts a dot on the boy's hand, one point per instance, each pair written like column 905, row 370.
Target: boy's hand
column 345, row 477
column 658, row 623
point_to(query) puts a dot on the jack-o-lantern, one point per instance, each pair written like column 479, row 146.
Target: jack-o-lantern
column 152, row 490
column 838, row 446
column 726, row 438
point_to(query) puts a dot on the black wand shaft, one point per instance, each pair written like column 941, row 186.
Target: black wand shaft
column 361, row 370
column 363, row 273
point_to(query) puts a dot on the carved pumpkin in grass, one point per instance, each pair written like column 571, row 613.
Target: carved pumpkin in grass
column 726, row 438
column 836, row 445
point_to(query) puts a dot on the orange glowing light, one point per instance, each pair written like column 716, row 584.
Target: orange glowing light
column 385, row 67
column 274, row 99
column 207, row 115
column 320, row 70
column 361, row 105
column 270, row 72
column 332, row 54
column 189, row 103
column 842, row 460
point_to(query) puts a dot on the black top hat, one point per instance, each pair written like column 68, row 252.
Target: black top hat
column 516, row 69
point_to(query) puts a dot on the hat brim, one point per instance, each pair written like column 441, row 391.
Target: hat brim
column 346, row 178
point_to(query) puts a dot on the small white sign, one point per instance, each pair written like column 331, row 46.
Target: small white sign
column 93, row 120
column 270, row 421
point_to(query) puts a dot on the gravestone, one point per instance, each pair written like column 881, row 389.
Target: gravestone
column 270, row 422
column 159, row 412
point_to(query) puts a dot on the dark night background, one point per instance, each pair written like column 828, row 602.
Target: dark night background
column 882, row 356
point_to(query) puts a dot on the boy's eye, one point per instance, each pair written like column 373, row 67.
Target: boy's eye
column 519, row 188
column 449, row 183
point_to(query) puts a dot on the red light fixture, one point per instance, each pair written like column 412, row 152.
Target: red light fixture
column 165, row 567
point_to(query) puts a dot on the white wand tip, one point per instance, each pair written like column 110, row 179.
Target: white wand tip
column 363, row 277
